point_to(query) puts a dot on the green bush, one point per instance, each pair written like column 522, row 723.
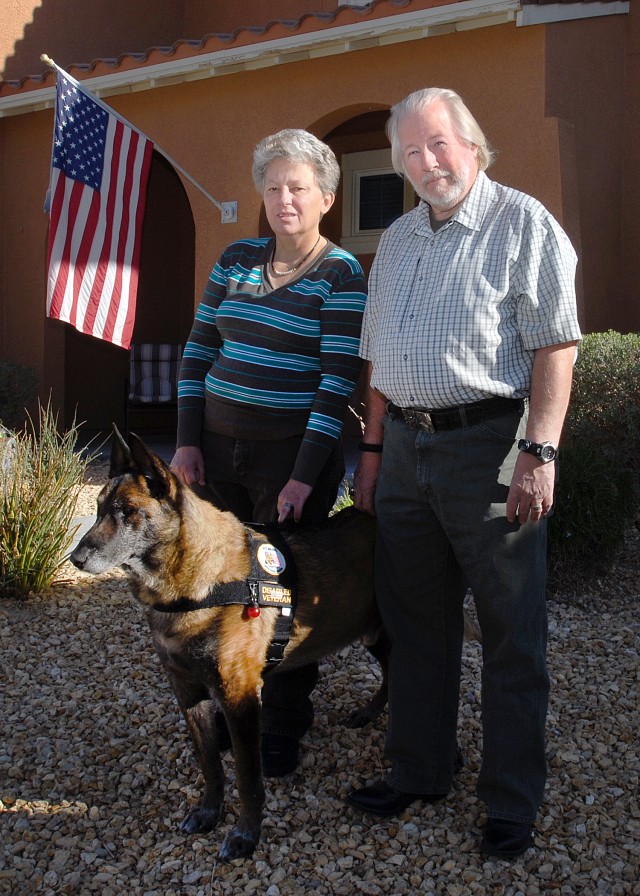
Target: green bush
column 605, row 398
column 40, row 480
column 595, row 503
column 599, row 466
column 18, row 388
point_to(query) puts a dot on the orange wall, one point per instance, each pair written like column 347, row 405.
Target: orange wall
column 630, row 151
column 211, row 126
column 79, row 31
column 94, row 29
column 582, row 93
column 25, row 151
column 233, row 112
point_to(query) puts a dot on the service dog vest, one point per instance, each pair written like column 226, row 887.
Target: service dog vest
column 272, row 582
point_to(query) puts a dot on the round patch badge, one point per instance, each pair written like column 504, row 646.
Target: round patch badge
column 271, row 560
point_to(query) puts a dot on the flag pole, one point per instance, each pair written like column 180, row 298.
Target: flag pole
column 48, row 61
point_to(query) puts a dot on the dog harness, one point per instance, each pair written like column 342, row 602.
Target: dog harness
column 272, row 582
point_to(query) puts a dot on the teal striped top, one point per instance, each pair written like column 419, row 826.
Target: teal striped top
column 264, row 363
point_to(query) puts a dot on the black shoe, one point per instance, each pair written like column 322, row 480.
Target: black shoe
column 280, row 754
column 383, row 799
column 506, row 839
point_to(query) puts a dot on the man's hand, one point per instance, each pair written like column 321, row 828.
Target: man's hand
column 531, row 492
column 364, row 482
column 532, row 485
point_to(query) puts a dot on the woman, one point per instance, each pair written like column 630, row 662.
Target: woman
column 266, row 375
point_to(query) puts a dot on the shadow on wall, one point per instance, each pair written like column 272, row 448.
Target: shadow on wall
column 77, row 32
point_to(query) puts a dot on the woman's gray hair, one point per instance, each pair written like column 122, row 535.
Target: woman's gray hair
column 301, row 147
column 465, row 125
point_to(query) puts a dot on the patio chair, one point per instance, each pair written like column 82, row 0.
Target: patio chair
column 152, row 386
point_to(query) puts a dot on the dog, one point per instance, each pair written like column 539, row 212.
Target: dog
column 178, row 550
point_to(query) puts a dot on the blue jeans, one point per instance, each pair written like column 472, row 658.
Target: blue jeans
column 442, row 527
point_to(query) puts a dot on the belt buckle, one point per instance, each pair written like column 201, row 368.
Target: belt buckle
column 422, row 419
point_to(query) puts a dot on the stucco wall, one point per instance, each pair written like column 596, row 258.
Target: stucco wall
column 587, row 94
column 79, row 31
column 25, row 151
column 211, row 126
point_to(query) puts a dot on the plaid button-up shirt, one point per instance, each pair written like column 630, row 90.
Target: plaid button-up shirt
column 455, row 315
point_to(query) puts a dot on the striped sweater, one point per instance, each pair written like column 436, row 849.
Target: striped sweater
column 264, row 363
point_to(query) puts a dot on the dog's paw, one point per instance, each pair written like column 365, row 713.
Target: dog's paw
column 366, row 714
column 199, row 820
column 238, row 845
column 358, row 719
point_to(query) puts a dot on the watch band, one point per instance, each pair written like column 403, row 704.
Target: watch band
column 544, row 451
column 370, row 446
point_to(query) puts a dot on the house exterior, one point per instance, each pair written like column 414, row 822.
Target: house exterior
column 555, row 86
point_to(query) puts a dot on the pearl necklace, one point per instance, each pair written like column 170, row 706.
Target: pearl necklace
column 297, row 265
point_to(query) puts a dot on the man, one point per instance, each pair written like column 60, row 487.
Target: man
column 470, row 336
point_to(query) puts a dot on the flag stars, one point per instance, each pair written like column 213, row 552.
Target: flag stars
column 80, row 134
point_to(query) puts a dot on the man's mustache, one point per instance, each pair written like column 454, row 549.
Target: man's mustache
column 433, row 176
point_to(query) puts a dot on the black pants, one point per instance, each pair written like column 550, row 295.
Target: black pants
column 246, row 476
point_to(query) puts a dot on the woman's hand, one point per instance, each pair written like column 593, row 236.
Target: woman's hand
column 188, row 465
column 291, row 500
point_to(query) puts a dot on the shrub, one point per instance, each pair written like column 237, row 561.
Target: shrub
column 595, row 503
column 18, row 387
column 605, row 399
column 40, row 480
column 599, row 466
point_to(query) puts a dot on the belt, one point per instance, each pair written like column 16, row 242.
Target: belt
column 460, row 417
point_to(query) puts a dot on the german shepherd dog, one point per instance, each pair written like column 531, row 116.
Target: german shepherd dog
column 177, row 547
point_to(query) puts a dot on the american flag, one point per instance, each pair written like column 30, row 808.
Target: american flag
column 99, row 172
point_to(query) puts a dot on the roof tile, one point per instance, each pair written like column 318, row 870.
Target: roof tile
column 242, row 36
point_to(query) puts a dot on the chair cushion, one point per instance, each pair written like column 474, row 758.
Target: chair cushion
column 153, row 372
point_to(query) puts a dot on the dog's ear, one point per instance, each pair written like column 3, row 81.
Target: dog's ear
column 152, row 467
column 121, row 459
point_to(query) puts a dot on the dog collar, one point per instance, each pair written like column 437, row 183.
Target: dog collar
column 271, row 583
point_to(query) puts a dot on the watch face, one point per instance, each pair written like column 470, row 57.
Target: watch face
column 547, row 452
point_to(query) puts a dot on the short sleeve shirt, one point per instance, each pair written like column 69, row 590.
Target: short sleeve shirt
column 455, row 315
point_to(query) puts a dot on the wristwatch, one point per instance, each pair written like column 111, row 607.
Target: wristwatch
column 544, row 451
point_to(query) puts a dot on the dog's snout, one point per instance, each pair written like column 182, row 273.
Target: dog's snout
column 79, row 557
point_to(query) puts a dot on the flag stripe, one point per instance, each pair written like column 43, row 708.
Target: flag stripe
column 99, row 174
column 126, row 314
column 100, row 288
column 81, row 257
column 119, row 240
column 124, row 244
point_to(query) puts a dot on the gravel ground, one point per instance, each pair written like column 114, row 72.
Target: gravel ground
column 96, row 770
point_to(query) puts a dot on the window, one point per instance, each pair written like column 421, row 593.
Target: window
column 374, row 196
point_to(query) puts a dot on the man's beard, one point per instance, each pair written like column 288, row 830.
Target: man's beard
column 443, row 197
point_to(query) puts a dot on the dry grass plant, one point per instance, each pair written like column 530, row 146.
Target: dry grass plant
column 41, row 476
